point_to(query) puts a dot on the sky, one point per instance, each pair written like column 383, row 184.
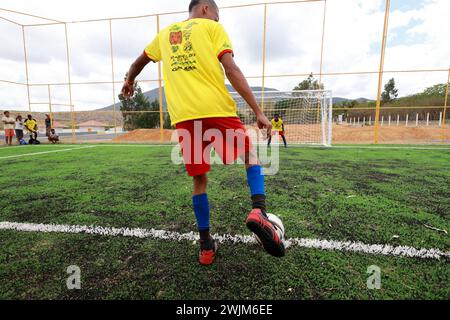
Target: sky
column 417, row 39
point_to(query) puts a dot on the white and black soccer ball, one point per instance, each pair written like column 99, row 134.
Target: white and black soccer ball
column 277, row 223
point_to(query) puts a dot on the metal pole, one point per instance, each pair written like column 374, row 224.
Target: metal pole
column 330, row 120
column 264, row 57
column 446, row 97
column 50, row 106
column 380, row 72
column 112, row 75
column 72, row 115
column 161, row 111
column 26, row 67
column 321, row 53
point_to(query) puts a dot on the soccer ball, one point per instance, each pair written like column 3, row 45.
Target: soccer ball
column 277, row 223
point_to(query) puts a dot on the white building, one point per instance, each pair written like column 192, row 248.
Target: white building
column 91, row 126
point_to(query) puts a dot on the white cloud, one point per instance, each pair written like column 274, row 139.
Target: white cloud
column 417, row 40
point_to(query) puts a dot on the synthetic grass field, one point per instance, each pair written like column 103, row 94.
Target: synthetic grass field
column 376, row 196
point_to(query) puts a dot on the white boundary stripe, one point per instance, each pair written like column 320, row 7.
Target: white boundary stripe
column 44, row 152
column 137, row 145
column 393, row 147
column 330, row 245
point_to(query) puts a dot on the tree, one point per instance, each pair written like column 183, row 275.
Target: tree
column 138, row 112
column 390, row 93
column 167, row 122
column 309, row 84
column 436, row 90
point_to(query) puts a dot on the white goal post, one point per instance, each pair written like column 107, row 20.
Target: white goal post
column 307, row 115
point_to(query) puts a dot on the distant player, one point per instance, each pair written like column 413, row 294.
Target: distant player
column 277, row 128
column 193, row 53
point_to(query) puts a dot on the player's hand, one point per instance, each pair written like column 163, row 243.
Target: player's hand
column 128, row 89
column 264, row 123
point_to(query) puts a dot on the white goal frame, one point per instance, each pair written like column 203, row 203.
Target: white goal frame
column 308, row 114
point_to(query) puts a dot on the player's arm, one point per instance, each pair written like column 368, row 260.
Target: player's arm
column 240, row 84
column 135, row 70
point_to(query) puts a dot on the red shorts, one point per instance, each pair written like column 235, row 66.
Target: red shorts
column 227, row 136
column 9, row 132
column 281, row 133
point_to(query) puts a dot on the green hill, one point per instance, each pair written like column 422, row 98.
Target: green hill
column 154, row 95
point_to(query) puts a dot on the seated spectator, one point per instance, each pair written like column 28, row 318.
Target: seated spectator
column 31, row 126
column 8, row 123
column 19, row 128
column 53, row 137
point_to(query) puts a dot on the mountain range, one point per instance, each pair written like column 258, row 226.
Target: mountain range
column 154, row 95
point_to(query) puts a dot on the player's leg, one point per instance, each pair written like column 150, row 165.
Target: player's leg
column 201, row 206
column 283, row 136
column 257, row 220
column 201, row 209
column 198, row 171
column 240, row 146
column 10, row 136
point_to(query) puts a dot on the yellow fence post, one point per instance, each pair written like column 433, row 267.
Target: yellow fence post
column 264, row 57
column 72, row 115
column 161, row 111
column 380, row 72
column 113, row 77
column 50, row 106
column 446, row 98
column 26, row 67
column 319, row 104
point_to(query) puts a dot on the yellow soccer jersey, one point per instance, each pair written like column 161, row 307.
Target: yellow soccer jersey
column 30, row 124
column 277, row 125
column 194, row 80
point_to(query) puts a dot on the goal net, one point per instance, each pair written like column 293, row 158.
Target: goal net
column 307, row 115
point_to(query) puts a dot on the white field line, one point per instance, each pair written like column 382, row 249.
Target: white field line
column 291, row 145
column 392, row 147
column 44, row 152
column 329, row 245
column 99, row 145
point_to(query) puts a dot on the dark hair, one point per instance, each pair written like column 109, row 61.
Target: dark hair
column 276, row 115
column 17, row 118
column 195, row 3
column 5, row 112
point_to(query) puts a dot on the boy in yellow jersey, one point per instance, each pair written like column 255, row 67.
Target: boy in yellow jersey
column 195, row 53
column 277, row 128
column 31, row 126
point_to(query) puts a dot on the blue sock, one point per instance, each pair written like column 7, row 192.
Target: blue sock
column 201, row 209
column 255, row 180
